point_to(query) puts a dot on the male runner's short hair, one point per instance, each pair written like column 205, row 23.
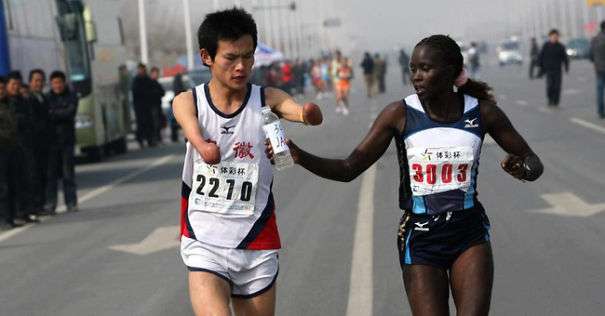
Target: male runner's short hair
column 229, row 25
column 553, row 31
column 36, row 71
column 57, row 74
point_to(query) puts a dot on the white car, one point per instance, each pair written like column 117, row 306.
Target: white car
column 509, row 53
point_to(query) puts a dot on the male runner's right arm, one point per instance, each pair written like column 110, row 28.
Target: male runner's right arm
column 388, row 123
column 184, row 112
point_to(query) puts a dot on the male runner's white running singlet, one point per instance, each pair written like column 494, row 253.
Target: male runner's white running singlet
column 230, row 204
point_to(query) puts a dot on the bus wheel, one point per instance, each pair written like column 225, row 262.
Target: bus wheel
column 95, row 153
column 120, row 146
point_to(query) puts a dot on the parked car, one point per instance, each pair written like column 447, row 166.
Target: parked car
column 509, row 53
column 578, row 48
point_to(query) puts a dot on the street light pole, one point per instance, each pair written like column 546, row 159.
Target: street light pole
column 187, row 19
column 143, row 33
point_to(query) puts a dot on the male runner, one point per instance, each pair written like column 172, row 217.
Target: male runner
column 229, row 234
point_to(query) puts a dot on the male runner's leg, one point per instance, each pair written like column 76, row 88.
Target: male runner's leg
column 427, row 289
column 209, row 294
column 472, row 276
column 260, row 305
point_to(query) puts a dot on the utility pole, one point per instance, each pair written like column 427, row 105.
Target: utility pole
column 187, row 19
column 143, row 33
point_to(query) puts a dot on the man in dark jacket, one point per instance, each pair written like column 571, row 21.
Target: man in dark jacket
column 23, row 153
column 534, row 52
column 155, row 95
column 37, row 80
column 8, row 174
column 367, row 64
column 551, row 59
column 597, row 55
column 142, row 85
column 62, row 108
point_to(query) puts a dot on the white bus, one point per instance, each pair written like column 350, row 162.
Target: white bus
column 84, row 38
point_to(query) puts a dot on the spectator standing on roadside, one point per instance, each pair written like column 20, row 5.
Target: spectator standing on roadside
column 156, row 94
column 8, row 168
column 552, row 58
column 534, row 52
column 597, row 56
column 474, row 61
column 380, row 71
column 367, row 64
column 404, row 62
column 24, row 146
column 63, row 105
column 39, row 103
column 141, row 86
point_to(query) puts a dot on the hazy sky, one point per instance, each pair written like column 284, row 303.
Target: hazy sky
column 377, row 24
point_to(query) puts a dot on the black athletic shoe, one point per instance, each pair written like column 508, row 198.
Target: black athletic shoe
column 47, row 213
column 14, row 223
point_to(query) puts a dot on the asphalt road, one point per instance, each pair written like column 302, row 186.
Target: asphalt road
column 118, row 255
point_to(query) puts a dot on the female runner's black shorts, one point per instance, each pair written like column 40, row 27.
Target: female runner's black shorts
column 438, row 239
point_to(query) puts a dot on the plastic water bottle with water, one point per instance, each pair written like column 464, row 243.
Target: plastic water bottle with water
column 275, row 133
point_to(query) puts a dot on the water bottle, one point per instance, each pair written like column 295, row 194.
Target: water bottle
column 275, row 133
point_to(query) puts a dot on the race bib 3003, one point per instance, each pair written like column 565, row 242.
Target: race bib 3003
column 435, row 170
column 228, row 188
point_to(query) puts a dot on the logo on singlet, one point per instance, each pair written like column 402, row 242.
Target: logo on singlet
column 226, row 130
column 471, row 123
column 420, row 227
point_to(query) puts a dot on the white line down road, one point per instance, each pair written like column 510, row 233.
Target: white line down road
column 570, row 205
column 361, row 286
column 161, row 238
column 94, row 193
column 587, row 124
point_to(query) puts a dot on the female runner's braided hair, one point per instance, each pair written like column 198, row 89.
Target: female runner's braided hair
column 451, row 55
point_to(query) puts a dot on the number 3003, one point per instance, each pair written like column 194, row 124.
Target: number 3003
column 431, row 172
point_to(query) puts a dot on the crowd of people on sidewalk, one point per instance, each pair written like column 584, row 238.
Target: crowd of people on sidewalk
column 37, row 138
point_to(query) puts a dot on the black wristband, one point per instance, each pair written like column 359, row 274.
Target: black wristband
column 532, row 167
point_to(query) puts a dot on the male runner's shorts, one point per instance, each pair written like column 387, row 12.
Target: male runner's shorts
column 438, row 239
column 248, row 272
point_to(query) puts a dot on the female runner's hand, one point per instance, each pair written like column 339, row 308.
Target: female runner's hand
column 514, row 166
column 294, row 151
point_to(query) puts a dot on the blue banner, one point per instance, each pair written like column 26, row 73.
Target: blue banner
column 4, row 52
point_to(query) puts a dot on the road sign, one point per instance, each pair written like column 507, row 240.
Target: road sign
column 161, row 238
column 570, row 205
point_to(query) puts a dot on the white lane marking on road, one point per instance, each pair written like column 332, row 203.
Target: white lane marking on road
column 488, row 140
column 6, row 235
column 113, row 184
column 521, row 102
column 161, row 238
column 571, row 91
column 545, row 110
column 587, row 124
column 570, row 205
column 361, row 285
column 582, row 79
